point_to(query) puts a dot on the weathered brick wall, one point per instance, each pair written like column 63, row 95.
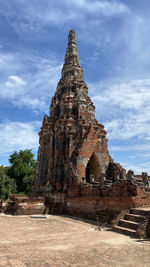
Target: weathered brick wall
column 24, row 205
column 84, row 200
column 107, row 202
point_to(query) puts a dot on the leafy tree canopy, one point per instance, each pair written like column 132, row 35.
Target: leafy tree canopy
column 22, row 169
column 7, row 185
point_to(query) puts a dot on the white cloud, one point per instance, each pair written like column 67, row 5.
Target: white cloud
column 137, row 168
column 132, row 155
column 133, row 94
column 9, row 62
column 33, row 103
column 18, row 135
column 105, row 8
column 129, row 126
column 144, row 147
column 124, row 107
column 31, row 80
column 143, row 154
column 14, row 80
column 33, row 15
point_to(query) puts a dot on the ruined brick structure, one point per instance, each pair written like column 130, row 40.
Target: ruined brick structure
column 75, row 172
column 73, row 145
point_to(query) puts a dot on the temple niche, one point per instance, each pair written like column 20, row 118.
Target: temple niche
column 73, row 145
column 93, row 170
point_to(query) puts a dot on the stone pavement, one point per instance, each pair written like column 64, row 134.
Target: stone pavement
column 65, row 241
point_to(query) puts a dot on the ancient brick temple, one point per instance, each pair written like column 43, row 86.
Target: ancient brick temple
column 73, row 145
column 75, row 172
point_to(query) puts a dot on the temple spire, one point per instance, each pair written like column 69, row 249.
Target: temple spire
column 71, row 69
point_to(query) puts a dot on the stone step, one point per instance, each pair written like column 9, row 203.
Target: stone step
column 125, row 231
column 134, row 217
column 143, row 212
column 139, row 181
column 128, row 224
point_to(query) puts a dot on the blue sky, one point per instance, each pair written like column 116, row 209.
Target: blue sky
column 114, row 46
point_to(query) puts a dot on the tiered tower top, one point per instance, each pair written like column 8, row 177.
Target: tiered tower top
column 71, row 68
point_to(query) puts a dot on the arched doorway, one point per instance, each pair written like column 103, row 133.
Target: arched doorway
column 93, row 169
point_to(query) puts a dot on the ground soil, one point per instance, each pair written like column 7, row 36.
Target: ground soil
column 66, row 241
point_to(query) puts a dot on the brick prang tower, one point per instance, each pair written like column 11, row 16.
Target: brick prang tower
column 73, row 145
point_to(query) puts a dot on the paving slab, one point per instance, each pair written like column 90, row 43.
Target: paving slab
column 66, row 241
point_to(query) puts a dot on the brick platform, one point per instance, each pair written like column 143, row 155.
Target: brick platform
column 66, row 242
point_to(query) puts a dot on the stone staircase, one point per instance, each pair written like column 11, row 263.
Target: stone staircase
column 135, row 223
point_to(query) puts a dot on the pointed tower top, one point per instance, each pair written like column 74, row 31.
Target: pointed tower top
column 71, row 68
column 72, row 36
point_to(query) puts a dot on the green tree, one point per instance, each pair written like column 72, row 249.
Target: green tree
column 22, row 169
column 7, row 185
